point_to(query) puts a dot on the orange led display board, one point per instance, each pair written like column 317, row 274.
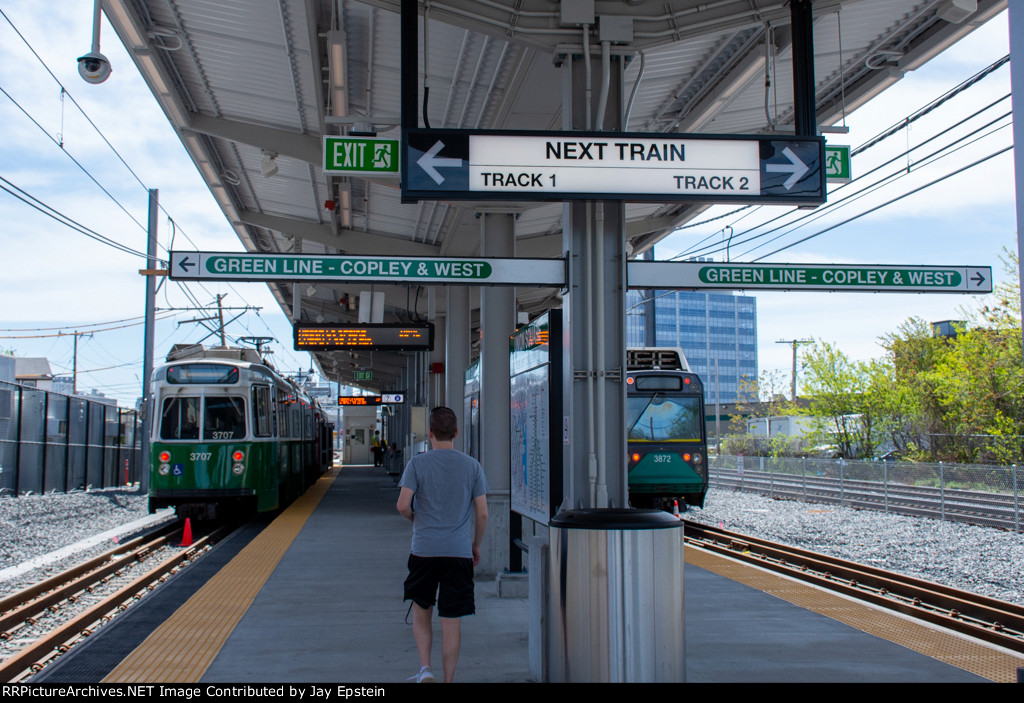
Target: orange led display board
column 386, row 337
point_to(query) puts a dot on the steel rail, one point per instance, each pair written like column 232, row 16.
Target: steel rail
column 36, row 655
column 30, row 601
column 979, row 616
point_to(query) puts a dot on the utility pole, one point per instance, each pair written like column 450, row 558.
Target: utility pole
column 795, row 343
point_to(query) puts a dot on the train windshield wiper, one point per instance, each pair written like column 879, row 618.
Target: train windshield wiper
column 639, row 415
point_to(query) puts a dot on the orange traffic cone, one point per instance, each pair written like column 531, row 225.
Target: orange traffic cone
column 186, row 535
column 675, row 508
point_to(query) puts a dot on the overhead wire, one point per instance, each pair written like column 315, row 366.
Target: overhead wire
column 873, row 141
column 832, row 205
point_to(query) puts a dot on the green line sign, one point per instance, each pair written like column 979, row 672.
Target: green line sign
column 214, row 266
column 817, row 277
column 361, row 155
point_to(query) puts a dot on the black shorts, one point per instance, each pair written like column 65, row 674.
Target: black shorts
column 454, row 575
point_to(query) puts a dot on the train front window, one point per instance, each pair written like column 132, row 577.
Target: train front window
column 663, row 418
column 179, row 418
column 224, row 418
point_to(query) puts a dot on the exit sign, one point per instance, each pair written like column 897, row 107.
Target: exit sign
column 363, row 155
column 363, row 375
column 837, row 164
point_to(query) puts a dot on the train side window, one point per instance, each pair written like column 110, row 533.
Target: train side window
column 179, row 418
column 224, row 418
column 261, row 410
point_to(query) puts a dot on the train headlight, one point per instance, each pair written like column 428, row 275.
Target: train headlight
column 697, row 458
column 164, row 469
column 237, row 455
column 165, row 457
column 635, row 457
column 238, row 469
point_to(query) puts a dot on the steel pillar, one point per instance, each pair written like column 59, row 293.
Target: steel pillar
column 595, row 307
column 456, row 355
column 497, row 323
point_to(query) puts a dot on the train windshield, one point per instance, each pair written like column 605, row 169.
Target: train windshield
column 663, row 418
column 220, row 418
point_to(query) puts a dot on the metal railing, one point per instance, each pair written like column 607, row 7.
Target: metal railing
column 51, row 442
column 974, row 493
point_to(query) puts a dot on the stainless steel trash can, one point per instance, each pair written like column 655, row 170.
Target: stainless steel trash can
column 616, row 596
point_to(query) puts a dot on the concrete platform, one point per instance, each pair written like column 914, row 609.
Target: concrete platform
column 328, row 608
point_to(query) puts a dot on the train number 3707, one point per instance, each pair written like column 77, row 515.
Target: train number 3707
column 200, row 456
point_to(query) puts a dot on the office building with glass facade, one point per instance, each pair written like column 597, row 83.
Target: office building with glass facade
column 708, row 327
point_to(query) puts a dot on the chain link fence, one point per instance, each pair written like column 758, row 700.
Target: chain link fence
column 974, row 493
column 50, row 442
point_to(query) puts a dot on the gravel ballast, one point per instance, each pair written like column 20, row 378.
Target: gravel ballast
column 978, row 559
column 982, row 560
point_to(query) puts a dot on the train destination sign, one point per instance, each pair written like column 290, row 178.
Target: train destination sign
column 441, row 164
column 810, row 277
column 387, row 337
column 214, row 266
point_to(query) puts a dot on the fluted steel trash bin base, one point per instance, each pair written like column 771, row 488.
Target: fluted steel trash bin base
column 616, row 597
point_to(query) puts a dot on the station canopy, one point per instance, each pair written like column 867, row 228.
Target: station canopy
column 253, row 86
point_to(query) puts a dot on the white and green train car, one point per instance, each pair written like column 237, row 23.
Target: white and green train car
column 231, row 434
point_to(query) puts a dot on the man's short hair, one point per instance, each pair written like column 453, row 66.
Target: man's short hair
column 443, row 423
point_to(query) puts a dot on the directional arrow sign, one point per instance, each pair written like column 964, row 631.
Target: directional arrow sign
column 217, row 266
column 443, row 164
column 798, row 277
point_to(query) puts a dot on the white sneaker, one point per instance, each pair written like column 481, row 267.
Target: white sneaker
column 425, row 675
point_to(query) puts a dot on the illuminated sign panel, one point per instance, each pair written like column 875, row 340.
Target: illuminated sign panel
column 386, row 337
column 386, row 399
column 358, row 400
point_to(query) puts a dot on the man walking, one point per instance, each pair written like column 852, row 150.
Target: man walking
column 442, row 492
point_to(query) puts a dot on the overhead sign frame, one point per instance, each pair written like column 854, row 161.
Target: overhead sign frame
column 451, row 164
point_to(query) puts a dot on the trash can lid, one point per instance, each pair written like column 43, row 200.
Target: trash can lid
column 615, row 519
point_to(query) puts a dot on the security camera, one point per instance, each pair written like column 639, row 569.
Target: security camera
column 94, row 67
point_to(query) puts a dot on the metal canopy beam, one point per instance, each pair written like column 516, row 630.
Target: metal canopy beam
column 351, row 241
column 303, row 147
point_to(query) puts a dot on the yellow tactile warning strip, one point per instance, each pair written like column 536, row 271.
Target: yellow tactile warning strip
column 181, row 649
column 971, row 655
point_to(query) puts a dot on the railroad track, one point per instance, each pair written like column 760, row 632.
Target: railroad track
column 43, row 621
column 951, row 504
column 986, row 618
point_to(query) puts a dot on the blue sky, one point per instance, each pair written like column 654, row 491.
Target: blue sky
column 54, row 277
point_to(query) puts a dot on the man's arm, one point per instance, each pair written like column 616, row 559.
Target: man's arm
column 405, row 504
column 480, row 507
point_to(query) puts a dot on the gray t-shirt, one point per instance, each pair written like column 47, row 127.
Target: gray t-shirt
column 445, row 482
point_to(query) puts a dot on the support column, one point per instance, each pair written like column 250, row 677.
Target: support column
column 595, row 308
column 497, row 323
column 1016, row 21
column 436, row 394
column 456, row 359
column 147, row 345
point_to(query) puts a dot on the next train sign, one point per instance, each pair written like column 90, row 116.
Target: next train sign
column 440, row 164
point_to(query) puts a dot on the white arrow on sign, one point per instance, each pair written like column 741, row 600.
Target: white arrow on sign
column 430, row 162
column 796, row 168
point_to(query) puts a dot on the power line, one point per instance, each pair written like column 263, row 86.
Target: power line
column 57, row 215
